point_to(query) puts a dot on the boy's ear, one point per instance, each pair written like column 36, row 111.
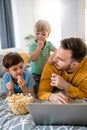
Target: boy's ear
column 7, row 70
column 48, row 34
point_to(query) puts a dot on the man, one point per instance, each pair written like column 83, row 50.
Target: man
column 67, row 72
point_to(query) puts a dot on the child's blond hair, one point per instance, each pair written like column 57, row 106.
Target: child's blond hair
column 42, row 25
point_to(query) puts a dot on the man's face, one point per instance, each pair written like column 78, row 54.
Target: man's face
column 63, row 59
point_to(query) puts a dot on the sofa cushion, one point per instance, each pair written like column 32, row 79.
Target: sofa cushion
column 25, row 57
column 2, row 69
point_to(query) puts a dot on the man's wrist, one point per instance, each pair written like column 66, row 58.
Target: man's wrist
column 50, row 97
column 66, row 86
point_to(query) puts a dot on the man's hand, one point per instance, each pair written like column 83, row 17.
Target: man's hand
column 59, row 82
column 59, row 98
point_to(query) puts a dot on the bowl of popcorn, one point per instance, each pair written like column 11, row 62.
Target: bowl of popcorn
column 18, row 102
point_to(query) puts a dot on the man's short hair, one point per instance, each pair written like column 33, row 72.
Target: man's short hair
column 77, row 46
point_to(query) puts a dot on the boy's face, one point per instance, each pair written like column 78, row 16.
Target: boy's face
column 16, row 70
column 41, row 35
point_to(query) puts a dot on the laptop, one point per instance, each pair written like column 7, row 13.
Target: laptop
column 59, row 114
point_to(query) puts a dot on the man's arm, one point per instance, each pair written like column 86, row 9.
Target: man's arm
column 78, row 88
column 45, row 89
column 78, row 92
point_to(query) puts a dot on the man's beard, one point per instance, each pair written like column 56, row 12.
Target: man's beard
column 67, row 68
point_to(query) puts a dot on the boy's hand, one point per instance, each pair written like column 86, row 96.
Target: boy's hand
column 51, row 58
column 41, row 44
column 10, row 87
column 21, row 82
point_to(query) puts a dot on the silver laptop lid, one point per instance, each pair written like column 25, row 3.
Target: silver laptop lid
column 58, row 114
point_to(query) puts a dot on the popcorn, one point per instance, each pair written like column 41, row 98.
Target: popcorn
column 18, row 103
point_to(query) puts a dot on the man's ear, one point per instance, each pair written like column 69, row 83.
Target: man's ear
column 75, row 64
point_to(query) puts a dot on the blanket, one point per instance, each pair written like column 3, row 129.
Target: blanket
column 10, row 121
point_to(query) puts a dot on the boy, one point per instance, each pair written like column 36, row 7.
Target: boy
column 16, row 79
column 40, row 49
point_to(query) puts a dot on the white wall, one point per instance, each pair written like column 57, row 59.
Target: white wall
column 70, row 24
column 73, row 18
column 69, row 18
column 23, row 21
column 81, row 19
